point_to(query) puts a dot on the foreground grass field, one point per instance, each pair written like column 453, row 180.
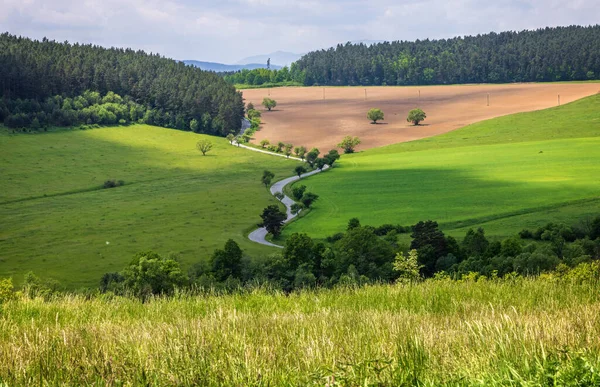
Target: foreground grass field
column 59, row 223
column 504, row 174
column 512, row 332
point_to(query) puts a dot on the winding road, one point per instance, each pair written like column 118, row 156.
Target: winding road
column 259, row 235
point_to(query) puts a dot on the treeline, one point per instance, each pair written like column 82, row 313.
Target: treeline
column 33, row 71
column 91, row 108
column 544, row 55
column 258, row 77
column 362, row 255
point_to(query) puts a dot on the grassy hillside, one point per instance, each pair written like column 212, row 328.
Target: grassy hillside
column 58, row 222
column 504, row 174
column 534, row 332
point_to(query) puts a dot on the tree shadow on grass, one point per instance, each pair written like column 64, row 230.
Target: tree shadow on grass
column 453, row 197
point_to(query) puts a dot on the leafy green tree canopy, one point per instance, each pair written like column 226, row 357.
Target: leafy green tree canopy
column 273, row 219
column 149, row 273
column 269, row 103
column 375, row 115
column 267, row 177
column 416, row 116
column 349, row 143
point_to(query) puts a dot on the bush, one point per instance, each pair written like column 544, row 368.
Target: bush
column 526, row 234
column 113, row 183
column 335, row 237
column 384, row 229
column 6, row 290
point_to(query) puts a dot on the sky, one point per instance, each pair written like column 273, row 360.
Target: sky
column 228, row 30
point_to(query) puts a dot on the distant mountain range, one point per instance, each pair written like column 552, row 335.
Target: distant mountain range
column 280, row 58
column 220, row 67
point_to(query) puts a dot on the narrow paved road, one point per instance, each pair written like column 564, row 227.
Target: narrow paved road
column 260, row 234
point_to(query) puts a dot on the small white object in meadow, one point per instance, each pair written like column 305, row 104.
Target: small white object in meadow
column 107, row 242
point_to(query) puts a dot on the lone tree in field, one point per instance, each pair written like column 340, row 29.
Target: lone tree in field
column 267, row 177
column 273, row 219
column 375, row 115
column 300, row 170
column 230, row 137
column 415, row 116
column 204, row 146
column 269, row 103
column 349, row 143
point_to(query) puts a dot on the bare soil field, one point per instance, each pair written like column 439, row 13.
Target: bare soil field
column 321, row 116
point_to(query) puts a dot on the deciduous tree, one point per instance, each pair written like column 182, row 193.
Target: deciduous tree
column 204, row 146
column 416, row 116
column 375, row 115
column 269, row 103
column 349, row 143
column 300, row 170
column 267, row 177
column 273, row 219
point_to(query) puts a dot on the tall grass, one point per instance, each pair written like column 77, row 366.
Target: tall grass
column 501, row 332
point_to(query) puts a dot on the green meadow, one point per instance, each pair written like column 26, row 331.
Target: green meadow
column 505, row 174
column 499, row 332
column 58, row 222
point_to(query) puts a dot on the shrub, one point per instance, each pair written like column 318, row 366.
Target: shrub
column 526, row 234
column 113, row 183
column 6, row 290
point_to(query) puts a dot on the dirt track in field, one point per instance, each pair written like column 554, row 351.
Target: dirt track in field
column 321, row 117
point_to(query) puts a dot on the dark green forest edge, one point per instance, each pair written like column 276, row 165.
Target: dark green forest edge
column 46, row 83
column 544, row 55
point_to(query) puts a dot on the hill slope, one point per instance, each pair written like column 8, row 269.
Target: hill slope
column 37, row 70
column 58, row 222
column 506, row 173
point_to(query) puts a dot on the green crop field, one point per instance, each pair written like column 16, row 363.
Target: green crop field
column 59, row 223
column 504, row 174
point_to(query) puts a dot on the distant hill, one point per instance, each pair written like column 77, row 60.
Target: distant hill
column 220, row 67
column 281, row 58
column 543, row 55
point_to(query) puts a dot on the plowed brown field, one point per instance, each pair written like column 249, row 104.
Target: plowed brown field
column 321, row 117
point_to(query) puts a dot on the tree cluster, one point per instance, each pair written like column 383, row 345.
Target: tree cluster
column 89, row 109
column 31, row 71
column 543, row 55
column 258, row 77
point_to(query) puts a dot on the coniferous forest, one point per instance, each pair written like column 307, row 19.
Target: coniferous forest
column 46, row 83
column 544, row 55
